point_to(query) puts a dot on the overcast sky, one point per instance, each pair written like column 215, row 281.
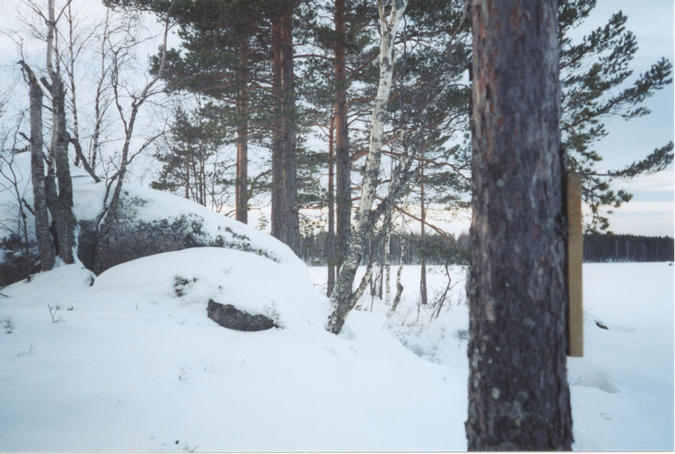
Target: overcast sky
column 651, row 211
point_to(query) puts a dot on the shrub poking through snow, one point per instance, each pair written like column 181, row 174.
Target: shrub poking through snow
column 180, row 284
column 8, row 325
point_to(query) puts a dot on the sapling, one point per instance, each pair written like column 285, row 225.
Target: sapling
column 54, row 313
column 8, row 325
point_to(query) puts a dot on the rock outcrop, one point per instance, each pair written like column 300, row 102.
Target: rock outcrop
column 228, row 316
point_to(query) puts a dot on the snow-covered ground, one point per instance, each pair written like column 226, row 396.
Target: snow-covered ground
column 128, row 364
column 622, row 389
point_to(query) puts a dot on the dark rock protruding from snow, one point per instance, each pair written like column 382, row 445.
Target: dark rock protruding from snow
column 126, row 236
column 228, row 316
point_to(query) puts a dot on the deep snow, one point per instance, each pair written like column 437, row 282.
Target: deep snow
column 134, row 366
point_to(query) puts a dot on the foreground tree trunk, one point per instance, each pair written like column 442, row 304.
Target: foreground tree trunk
column 341, row 299
column 518, row 392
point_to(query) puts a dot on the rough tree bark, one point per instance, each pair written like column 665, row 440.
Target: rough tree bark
column 518, row 392
column 43, row 237
column 343, row 169
column 341, row 299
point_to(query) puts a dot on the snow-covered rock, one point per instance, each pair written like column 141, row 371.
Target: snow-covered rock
column 149, row 222
column 248, row 282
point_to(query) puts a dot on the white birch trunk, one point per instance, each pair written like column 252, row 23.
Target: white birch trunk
column 341, row 299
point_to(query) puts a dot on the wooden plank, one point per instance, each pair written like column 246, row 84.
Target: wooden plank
column 575, row 257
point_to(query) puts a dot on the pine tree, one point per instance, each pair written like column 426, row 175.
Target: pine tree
column 595, row 82
column 518, row 393
column 189, row 165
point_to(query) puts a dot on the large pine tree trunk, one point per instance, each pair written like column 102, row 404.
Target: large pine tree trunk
column 241, row 187
column 341, row 299
column 518, row 392
column 43, row 237
column 343, row 168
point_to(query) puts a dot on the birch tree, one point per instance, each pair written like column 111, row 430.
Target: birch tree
column 59, row 185
column 341, row 300
column 41, row 215
column 53, row 193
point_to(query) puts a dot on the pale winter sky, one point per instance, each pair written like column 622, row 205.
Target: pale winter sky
column 650, row 212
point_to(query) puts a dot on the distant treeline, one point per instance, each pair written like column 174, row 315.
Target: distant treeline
column 437, row 249
column 440, row 250
column 627, row 248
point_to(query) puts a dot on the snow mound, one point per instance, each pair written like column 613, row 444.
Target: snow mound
column 247, row 281
column 50, row 287
column 132, row 365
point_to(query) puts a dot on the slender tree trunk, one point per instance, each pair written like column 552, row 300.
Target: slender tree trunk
column 340, row 299
column 187, row 178
column 399, row 286
column 423, row 251
column 330, row 240
column 518, row 391
column 278, row 198
column 288, row 131
column 43, row 236
column 343, row 161
column 241, row 186
column 387, row 259
column 71, row 72
column 380, row 276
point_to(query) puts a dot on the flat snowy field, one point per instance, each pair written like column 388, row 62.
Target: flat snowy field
column 130, row 363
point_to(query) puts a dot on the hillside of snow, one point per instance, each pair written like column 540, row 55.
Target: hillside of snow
column 129, row 363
